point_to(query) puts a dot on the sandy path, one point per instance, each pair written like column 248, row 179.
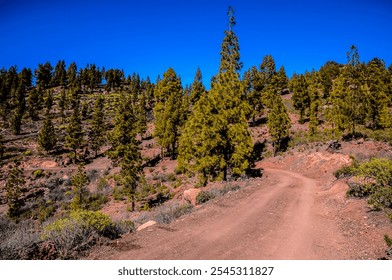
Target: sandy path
column 278, row 221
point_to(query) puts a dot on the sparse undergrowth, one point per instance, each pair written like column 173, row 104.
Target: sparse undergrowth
column 205, row 196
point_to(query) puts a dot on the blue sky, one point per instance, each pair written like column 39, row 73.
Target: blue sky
column 148, row 36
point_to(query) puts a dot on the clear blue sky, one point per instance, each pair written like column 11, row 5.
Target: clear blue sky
column 148, row 36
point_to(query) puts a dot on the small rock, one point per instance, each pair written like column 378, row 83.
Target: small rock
column 146, row 225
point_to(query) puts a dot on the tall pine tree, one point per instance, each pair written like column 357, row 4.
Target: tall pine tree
column 47, row 136
column 197, row 88
column 125, row 151
column 347, row 99
column 97, row 135
column 278, row 124
column 74, row 138
column 13, row 187
column 216, row 141
column 167, row 111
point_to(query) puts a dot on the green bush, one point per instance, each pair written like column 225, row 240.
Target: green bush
column 78, row 232
column 378, row 169
column 376, row 181
column 38, row 173
column 381, row 197
column 204, row 196
column 345, row 172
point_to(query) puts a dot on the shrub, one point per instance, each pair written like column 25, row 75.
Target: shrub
column 102, row 184
column 167, row 213
column 78, row 232
column 388, row 240
column 377, row 177
column 378, row 169
column 18, row 241
column 359, row 190
column 120, row 193
column 38, row 173
column 204, row 196
column 45, row 210
column 344, row 172
column 229, row 188
column 171, row 177
column 125, row 226
column 94, row 201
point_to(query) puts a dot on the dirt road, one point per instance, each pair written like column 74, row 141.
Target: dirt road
column 285, row 219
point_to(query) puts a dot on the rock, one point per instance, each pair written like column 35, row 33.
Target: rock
column 190, row 195
column 146, row 225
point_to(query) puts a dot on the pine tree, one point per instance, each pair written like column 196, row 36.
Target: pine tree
column 329, row 72
column 254, row 89
column 14, row 185
column 141, row 113
column 267, row 81
column 124, row 128
column 167, row 111
column 281, row 80
column 62, row 104
column 44, row 75
column 80, row 192
column 197, row 88
column 125, row 151
column 131, row 169
column 20, row 107
column 85, row 110
column 74, row 139
column 98, row 128
column 347, row 99
column 47, row 136
column 376, row 89
column 300, row 97
column 32, row 104
column 216, row 141
column 26, row 77
column 49, row 100
column 72, row 74
column 59, row 75
column 314, row 89
column 278, row 124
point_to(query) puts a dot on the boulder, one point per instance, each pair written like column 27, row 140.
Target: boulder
column 146, row 225
column 190, row 195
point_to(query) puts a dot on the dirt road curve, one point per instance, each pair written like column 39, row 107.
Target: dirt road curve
column 285, row 220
